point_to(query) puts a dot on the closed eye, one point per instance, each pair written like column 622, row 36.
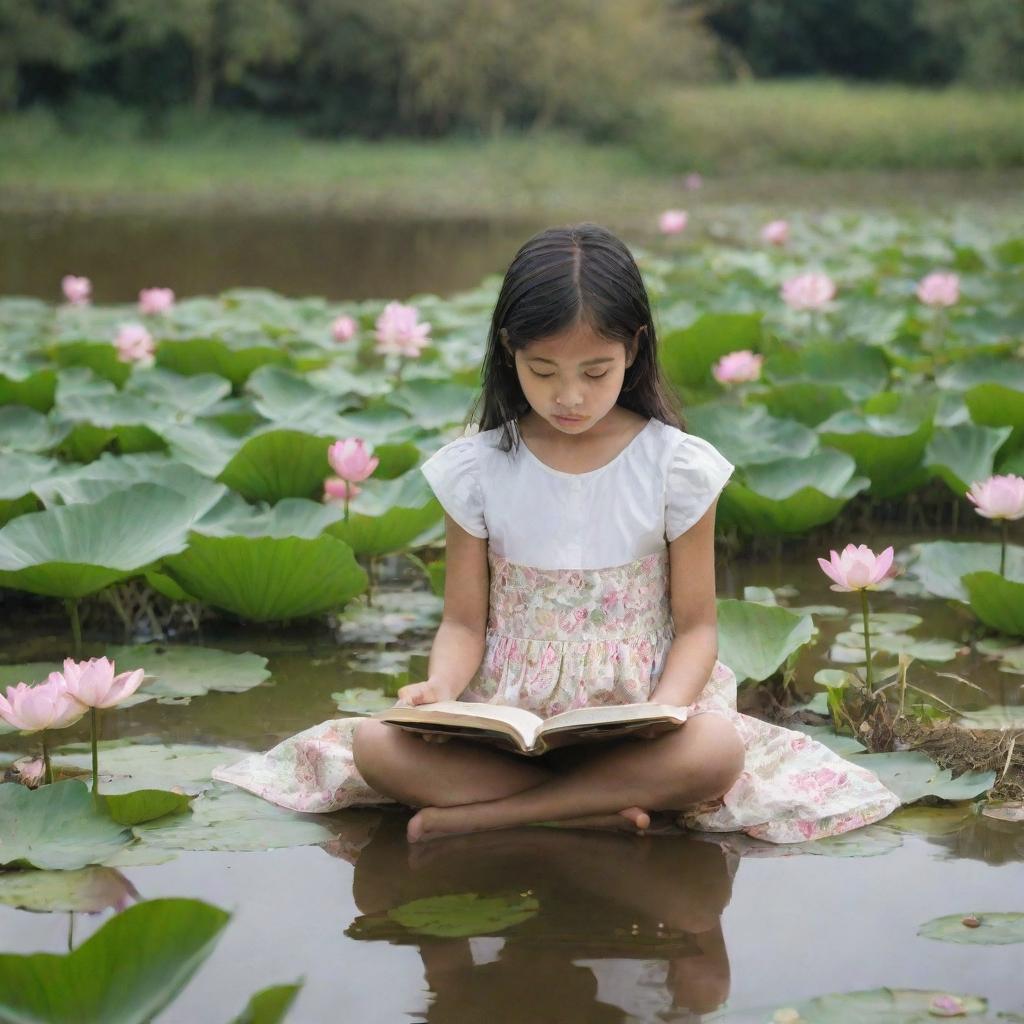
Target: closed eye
column 592, row 376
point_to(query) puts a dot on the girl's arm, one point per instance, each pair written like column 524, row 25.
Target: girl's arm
column 459, row 645
column 692, row 655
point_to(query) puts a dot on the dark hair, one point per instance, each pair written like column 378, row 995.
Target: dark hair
column 560, row 277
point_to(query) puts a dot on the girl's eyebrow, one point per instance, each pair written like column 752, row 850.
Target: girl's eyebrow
column 586, row 362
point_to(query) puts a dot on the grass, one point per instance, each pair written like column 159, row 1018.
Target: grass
column 776, row 145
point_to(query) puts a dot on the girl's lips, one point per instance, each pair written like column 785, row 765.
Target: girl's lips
column 571, row 419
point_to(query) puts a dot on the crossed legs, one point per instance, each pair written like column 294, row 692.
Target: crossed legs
column 465, row 787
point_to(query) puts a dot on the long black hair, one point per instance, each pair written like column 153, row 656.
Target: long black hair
column 560, row 277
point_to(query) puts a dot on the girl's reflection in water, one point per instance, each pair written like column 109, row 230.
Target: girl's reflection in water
column 645, row 910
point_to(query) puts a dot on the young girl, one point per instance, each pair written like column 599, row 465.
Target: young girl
column 580, row 525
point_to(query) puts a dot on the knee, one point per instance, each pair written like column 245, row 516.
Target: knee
column 371, row 741
column 724, row 753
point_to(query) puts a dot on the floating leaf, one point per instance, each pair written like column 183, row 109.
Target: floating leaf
column 879, row 1006
column 754, row 640
column 87, row 890
column 269, row 1005
column 463, row 914
column 144, row 805
column 941, row 565
column 180, row 670
column 993, row 929
column 361, row 701
column 55, row 826
column 912, row 775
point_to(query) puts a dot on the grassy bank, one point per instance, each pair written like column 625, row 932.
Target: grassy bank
column 776, row 146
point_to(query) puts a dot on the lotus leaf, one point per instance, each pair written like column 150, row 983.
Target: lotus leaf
column 87, row 890
column 997, row 601
column 941, row 565
column 998, row 716
column 912, row 775
column 885, row 622
column 857, row 370
column 23, row 384
column 18, row 474
column 746, row 435
column 191, row 396
column 77, row 550
column 929, row 821
column 389, row 515
column 791, row 495
column 996, row 405
column 462, row 914
column 805, row 401
column 25, row 430
column 754, row 639
column 187, row 671
column 203, row 445
column 288, row 398
column 125, row 973
column 963, row 454
column 55, row 826
column 433, row 404
column 234, row 361
column 144, row 805
column 276, row 463
column 688, row 353
column 888, row 449
column 227, row 818
column 361, row 701
column 994, row 929
column 269, row 1005
column 98, row 356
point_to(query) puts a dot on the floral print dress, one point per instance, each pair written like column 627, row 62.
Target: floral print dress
column 561, row 638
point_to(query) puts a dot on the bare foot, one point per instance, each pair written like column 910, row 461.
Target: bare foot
column 431, row 822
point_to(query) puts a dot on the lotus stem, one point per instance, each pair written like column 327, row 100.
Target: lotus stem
column 1004, row 526
column 369, row 586
column 867, row 638
column 76, row 626
column 94, row 719
column 47, row 767
column 346, row 509
column 71, row 930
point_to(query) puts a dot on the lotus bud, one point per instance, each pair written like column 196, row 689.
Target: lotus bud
column 775, row 232
column 399, row 331
column 738, row 366
column 939, row 289
column 344, row 328
column 134, row 344
column 998, row 497
column 672, row 222
column 350, row 459
column 813, row 290
column 77, row 290
column 155, row 300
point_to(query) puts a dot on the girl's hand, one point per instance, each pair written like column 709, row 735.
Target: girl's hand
column 427, row 692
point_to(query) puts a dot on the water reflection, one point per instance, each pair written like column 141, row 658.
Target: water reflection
column 628, row 927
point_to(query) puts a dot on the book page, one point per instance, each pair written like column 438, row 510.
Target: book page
column 613, row 714
column 472, row 714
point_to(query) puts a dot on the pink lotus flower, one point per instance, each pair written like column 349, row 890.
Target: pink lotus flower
column 94, row 684
column 672, row 222
column 737, row 366
column 344, row 328
column 46, row 705
column 77, row 290
column 399, row 331
column 857, row 568
column 350, row 459
column 155, row 300
column 775, row 232
column 939, row 289
column 29, row 771
column 813, row 290
column 134, row 344
column 693, row 181
column 998, row 497
column 336, row 489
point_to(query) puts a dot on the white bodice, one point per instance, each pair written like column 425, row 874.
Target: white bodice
column 655, row 489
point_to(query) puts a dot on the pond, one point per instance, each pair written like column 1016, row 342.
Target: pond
column 623, row 928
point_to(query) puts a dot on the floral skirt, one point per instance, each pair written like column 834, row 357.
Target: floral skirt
column 560, row 639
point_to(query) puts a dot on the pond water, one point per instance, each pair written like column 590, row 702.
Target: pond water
column 627, row 928
column 294, row 254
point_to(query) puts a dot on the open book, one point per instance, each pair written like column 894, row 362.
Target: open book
column 523, row 732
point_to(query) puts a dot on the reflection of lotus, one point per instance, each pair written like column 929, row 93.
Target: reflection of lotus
column 77, row 290
column 857, row 568
column 998, row 497
column 813, row 290
column 48, row 705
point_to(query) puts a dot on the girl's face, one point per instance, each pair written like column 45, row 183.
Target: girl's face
column 573, row 379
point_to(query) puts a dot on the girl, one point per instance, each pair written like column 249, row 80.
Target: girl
column 580, row 523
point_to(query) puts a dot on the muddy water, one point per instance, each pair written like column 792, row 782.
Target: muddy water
column 656, row 928
column 294, row 254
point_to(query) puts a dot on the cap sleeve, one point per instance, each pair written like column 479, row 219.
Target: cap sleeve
column 697, row 473
column 453, row 473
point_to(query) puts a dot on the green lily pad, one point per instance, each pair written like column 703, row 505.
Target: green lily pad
column 98, row 356
column 965, row 453
column 86, row 890
column 688, row 353
column 791, row 495
column 276, row 463
column 361, row 701
column 55, row 826
column 747, row 435
column 930, row 821
column 77, row 550
column 191, row 396
column 144, row 805
column 754, row 639
column 21, row 384
column 455, row 915
column 807, row 402
column 389, row 515
column 235, row 361
column 432, row 404
column 993, row 929
column 125, row 973
column 941, row 565
column 181, row 670
column 912, row 775
column 858, row 370
column 998, row 716
column 25, row 430
column 997, row 601
column 393, row 614
column 227, row 818
column 884, row 622
column 269, row 1006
